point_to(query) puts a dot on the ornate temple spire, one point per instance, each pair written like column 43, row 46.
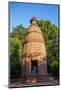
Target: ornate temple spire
column 34, row 51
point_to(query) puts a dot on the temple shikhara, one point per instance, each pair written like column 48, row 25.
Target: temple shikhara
column 34, row 61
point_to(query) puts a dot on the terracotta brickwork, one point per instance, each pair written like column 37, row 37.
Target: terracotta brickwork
column 34, row 49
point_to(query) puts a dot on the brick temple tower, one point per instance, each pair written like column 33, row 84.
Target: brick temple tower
column 34, row 62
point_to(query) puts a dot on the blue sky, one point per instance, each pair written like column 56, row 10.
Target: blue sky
column 21, row 13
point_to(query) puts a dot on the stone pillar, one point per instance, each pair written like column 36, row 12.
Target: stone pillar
column 42, row 67
column 39, row 67
column 28, row 67
column 45, row 67
column 23, row 65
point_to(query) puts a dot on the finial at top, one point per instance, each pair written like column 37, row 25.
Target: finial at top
column 33, row 19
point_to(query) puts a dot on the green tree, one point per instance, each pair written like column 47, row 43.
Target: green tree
column 15, row 57
column 51, row 37
column 16, row 45
column 19, row 31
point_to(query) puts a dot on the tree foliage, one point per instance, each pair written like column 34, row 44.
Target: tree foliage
column 16, row 41
column 51, row 37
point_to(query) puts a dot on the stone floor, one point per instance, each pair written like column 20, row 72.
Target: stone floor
column 42, row 83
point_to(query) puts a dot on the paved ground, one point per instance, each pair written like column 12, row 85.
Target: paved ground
column 42, row 83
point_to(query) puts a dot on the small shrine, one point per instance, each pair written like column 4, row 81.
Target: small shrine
column 34, row 61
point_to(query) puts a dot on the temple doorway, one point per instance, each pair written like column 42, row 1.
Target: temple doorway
column 34, row 67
